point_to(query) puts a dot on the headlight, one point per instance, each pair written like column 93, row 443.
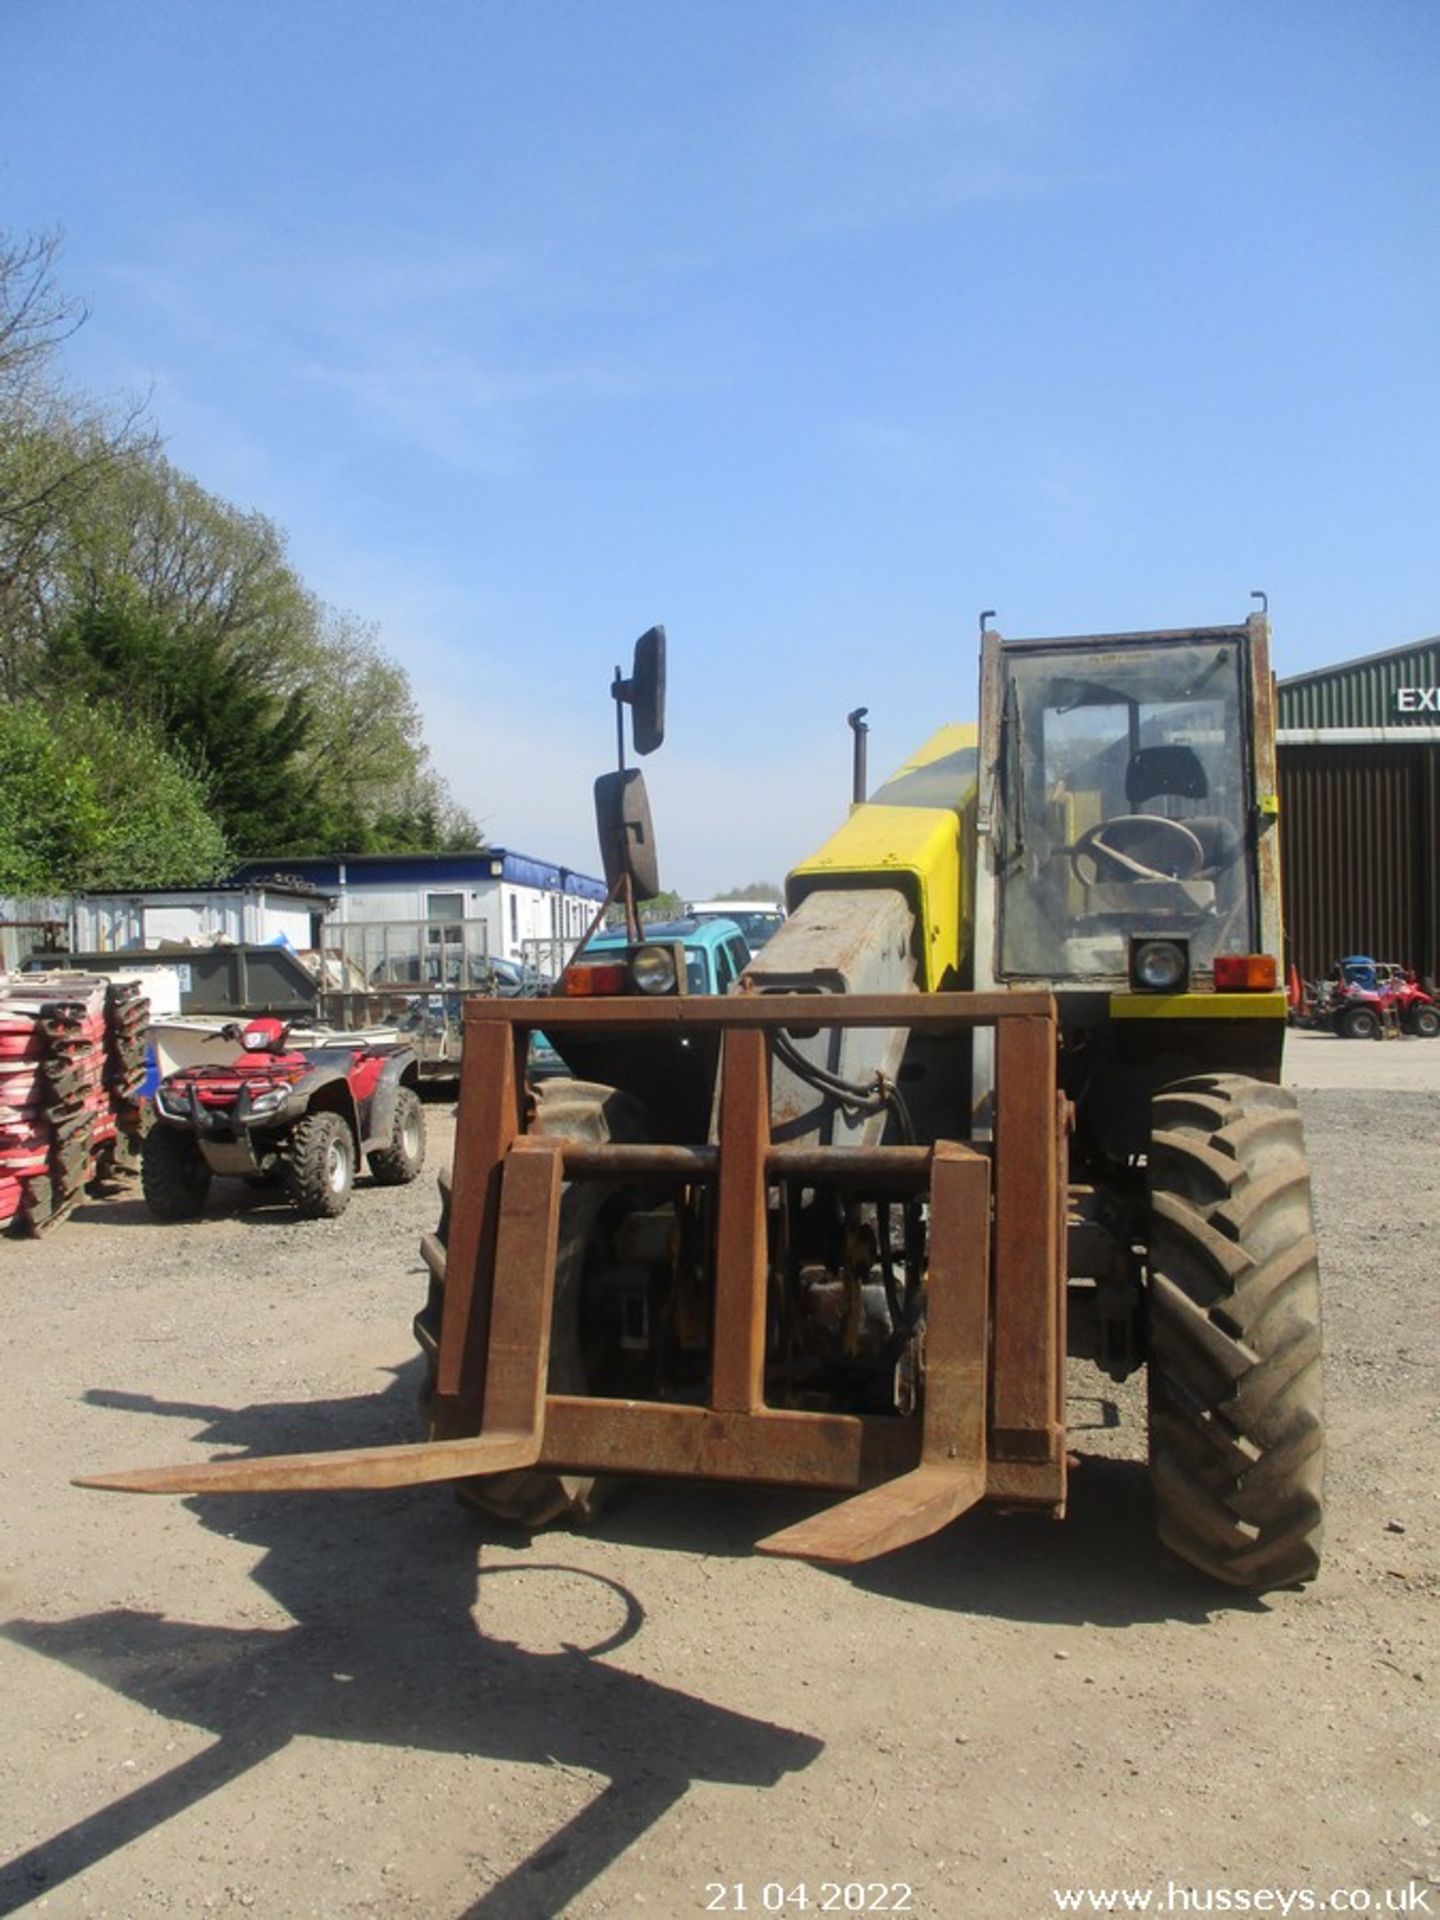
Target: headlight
column 268, row 1102
column 1159, row 966
column 653, row 970
column 175, row 1104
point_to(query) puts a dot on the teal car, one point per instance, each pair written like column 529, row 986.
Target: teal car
column 672, row 1072
column 671, row 956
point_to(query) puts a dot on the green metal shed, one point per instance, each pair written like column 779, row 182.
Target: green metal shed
column 1359, row 752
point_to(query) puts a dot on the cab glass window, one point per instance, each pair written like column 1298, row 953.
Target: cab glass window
column 1122, row 809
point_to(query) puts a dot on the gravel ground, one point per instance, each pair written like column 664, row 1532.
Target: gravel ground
column 368, row 1704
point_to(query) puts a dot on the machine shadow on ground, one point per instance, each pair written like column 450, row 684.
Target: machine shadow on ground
column 1100, row 1566
column 382, row 1588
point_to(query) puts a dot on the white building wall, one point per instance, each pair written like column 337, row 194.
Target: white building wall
column 198, row 920
column 529, row 913
column 512, row 913
column 378, row 901
column 292, row 918
column 108, row 923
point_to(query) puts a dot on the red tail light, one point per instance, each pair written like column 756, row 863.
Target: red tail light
column 585, row 982
column 1246, row 973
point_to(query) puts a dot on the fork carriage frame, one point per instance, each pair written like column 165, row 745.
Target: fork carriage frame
column 992, row 1424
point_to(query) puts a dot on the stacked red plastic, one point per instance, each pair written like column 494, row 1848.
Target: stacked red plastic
column 72, row 1054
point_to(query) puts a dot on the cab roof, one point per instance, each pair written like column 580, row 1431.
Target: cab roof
column 691, row 933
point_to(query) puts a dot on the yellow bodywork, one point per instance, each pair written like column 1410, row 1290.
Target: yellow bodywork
column 912, row 835
column 1199, row 1006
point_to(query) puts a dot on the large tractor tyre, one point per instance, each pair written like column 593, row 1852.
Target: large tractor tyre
column 400, row 1163
column 320, row 1170
column 174, row 1174
column 1236, row 1426
column 566, row 1109
column 1424, row 1022
column 1359, row 1023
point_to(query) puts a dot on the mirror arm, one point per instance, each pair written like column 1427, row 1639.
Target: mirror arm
column 621, row 691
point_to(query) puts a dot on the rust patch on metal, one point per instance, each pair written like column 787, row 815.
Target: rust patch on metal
column 742, row 1267
column 518, row 1346
column 1029, row 1273
column 995, row 1311
column 951, row 1475
column 357, row 1469
column 487, row 1120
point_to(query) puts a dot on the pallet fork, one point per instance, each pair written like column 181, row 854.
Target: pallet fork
column 992, row 1422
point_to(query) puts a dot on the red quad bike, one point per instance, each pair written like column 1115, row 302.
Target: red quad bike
column 1369, row 995
column 1417, row 1010
column 297, row 1119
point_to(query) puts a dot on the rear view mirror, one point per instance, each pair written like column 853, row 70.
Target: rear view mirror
column 644, row 691
column 627, row 839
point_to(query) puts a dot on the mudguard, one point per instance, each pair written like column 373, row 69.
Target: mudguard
column 401, row 1069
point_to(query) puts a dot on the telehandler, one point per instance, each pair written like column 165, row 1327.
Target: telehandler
column 1005, row 1085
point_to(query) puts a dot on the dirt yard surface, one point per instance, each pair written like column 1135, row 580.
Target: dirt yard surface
column 1400, row 1063
column 368, row 1704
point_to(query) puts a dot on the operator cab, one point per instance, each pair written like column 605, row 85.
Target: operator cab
column 1123, row 839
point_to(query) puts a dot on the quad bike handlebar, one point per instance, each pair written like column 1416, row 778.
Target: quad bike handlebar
column 235, row 1032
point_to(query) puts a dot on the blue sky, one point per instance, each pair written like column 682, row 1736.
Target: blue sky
column 808, row 328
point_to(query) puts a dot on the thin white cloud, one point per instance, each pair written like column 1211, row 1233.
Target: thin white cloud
column 979, row 72
column 464, row 411
column 911, row 118
column 898, row 456
column 416, row 339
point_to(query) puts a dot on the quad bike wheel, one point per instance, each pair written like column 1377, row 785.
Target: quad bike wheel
column 1236, row 1427
column 174, row 1175
column 321, row 1169
column 567, row 1109
column 1359, row 1023
column 1424, row 1022
column 400, row 1163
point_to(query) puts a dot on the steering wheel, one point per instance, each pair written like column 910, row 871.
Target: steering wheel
column 1137, row 846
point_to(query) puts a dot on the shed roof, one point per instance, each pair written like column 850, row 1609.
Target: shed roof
column 1380, row 690
column 382, row 869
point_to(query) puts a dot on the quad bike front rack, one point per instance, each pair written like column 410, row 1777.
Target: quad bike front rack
column 992, row 1420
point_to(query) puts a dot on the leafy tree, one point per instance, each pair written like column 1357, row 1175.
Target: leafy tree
column 159, row 829
column 665, row 906
column 757, row 890
column 366, row 719
column 424, row 820
column 193, row 561
column 367, row 724
column 89, row 798
column 55, row 451
column 332, row 759
column 52, row 818
column 121, row 576
column 211, row 703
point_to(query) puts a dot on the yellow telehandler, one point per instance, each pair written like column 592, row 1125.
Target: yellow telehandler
column 1005, row 1085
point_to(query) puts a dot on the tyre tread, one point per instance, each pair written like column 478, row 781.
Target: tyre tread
column 306, row 1182
column 394, row 1166
column 1237, row 1439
